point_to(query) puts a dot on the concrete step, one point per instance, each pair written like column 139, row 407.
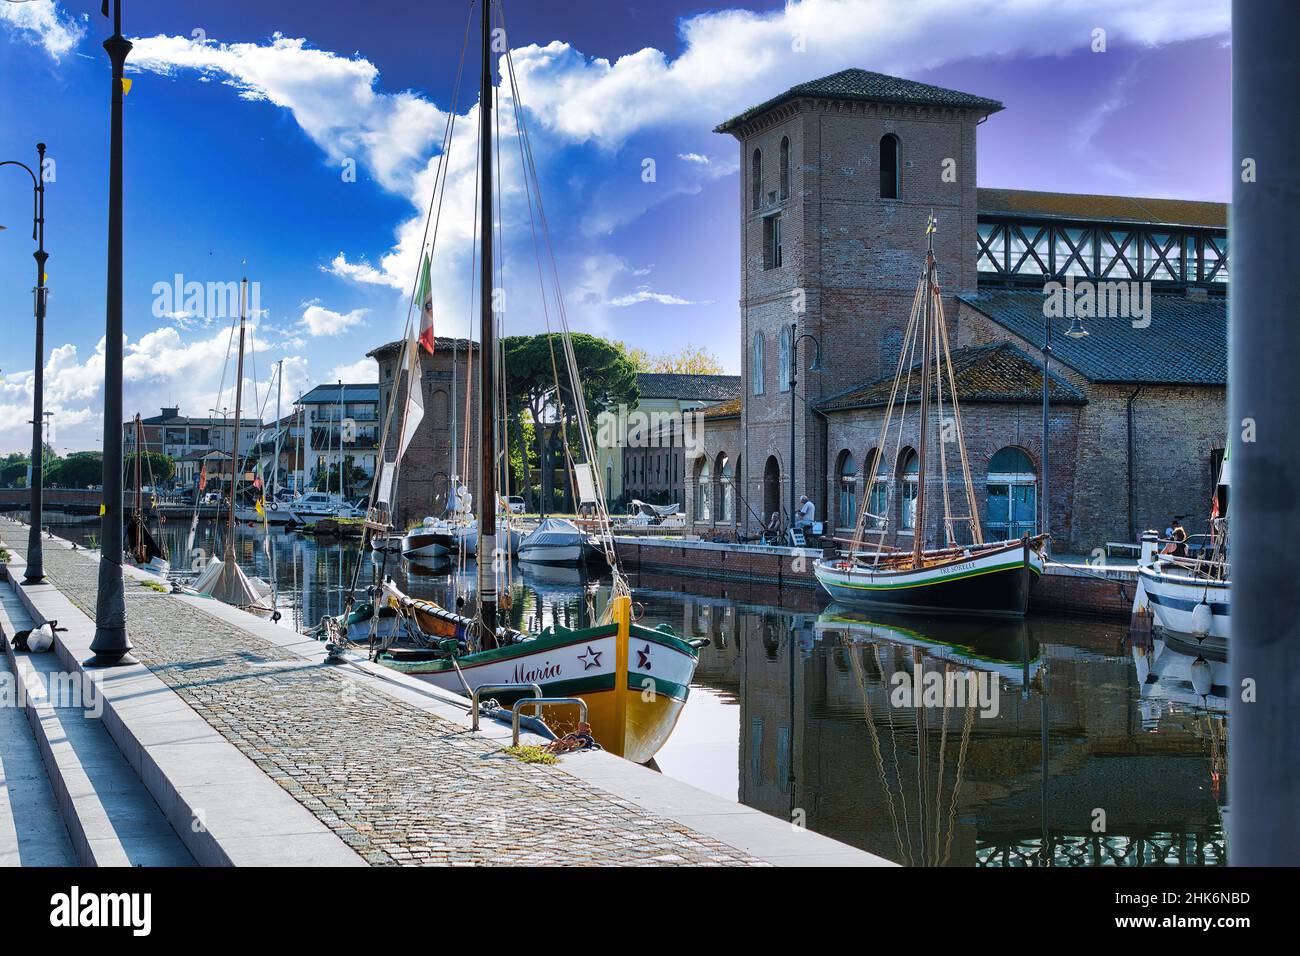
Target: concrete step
column 32, row 832
column 110, row 817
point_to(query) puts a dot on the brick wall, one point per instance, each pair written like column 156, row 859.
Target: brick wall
column 423, row 478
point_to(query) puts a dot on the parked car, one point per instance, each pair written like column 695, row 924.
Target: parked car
column 514, row 504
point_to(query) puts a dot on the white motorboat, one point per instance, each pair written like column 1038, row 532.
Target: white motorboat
column 320, row 504
column 439, row 538
column 558, row 541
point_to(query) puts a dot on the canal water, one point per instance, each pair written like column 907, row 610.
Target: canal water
column 944, row 741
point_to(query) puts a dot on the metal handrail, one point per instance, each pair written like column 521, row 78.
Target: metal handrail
column 494, row 689
column 539, row 702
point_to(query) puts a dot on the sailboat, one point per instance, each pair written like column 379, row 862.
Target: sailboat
column 1190, row 596
column 988, row 578
column 142, row 548
column 633, row 679
column 222, row 578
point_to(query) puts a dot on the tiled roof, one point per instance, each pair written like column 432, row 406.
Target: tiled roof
column 347, row 393
column 855, row 84
column 727, row 409
column 705, row 388
column 439, row 343
column 986, row 373
column 1186, row 342
column 1132, row 209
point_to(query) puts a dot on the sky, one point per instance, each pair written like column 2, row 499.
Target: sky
column 299, row 144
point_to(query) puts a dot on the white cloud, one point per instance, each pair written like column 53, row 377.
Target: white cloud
column 159, row 368
column 319, row 320
column 644, row 293
column 43, row 23
column 360, row 371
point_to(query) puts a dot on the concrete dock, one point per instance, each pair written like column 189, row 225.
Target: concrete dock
column 233, row 743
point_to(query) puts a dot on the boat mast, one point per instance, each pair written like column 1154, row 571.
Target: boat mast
column 239, row 397
column 918, row 525
column 139, row 495
column 487, row 515
column 275, row 445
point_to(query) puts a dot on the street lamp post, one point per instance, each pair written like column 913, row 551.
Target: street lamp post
column 111, row 645
column 35, row 558
column 795, row 339
column 1075, row 331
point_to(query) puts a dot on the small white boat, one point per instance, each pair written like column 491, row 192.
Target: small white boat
column 274, row 515
column 392, row 543
column 319, row 504
column 558, row 541
column 438, row 538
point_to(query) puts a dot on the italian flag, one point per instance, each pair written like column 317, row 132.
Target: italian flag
column 424, row 295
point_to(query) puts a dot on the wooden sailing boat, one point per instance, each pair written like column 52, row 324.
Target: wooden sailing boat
column 141, row 546
column 634, row 679
column 964, row 578
column 222, row 578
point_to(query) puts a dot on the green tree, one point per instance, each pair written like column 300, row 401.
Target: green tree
column 537, row 382
column 81, row 469
column 688, row 360
column 13, row 470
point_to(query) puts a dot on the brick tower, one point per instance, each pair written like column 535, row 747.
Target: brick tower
column 838, row 177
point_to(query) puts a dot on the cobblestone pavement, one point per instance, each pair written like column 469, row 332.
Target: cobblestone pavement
column 398, row 785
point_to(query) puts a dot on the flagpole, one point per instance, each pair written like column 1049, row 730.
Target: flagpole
column 111, row 645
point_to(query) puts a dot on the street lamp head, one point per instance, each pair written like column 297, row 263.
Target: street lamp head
column 1076, row 329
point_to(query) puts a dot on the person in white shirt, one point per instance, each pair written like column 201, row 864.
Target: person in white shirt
column 805, row 515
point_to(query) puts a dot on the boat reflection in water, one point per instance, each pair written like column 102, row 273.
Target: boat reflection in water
column 832, row 734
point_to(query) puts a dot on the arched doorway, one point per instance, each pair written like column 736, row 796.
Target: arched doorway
column 771, row 487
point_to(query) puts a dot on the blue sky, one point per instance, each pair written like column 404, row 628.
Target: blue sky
column 243, row 117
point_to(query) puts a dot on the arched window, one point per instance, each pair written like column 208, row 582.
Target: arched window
column 756, row 363
column 1012, row 495
column 910, row 479
column 703, row 492
column 783, row 358
column 756, row 179
column 889, row 166
column 785, row 167
column 771, row 488
column 726, row 489
column 878, row 495
column 848, row 470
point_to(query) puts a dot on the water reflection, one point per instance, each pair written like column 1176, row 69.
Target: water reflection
column 1088, row 746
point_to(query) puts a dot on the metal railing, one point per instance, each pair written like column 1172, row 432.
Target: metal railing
column 496, row 689
column 540, row 702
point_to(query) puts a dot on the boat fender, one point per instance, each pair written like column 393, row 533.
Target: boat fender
column 1202, row 619
column 1202, row 682
column 37, row 640
column 700, row 642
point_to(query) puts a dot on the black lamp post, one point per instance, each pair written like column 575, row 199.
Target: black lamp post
column 111, row 645
column 1075, row 331
column 816, row 366
column 35, row 558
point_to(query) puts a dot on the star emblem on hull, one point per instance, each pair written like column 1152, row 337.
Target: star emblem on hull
column 643, row 658
column 590, row 659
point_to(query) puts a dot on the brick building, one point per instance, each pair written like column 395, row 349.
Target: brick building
column 424, row 477
column 838, row 178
